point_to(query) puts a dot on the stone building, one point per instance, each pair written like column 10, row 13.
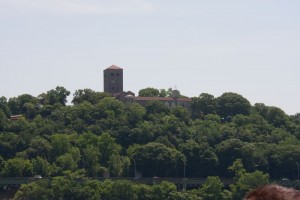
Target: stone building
column 113, row 84
column 113, row 80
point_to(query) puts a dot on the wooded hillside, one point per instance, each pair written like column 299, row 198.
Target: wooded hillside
column 99, row 135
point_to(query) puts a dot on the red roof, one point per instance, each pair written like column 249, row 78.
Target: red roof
column 154, row 99
column 185, row 99
column 113, row 67
column 161, row 99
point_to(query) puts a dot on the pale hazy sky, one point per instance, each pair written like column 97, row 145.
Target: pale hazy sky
column 251, row 47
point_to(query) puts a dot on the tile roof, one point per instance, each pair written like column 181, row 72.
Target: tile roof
column 113, row 67
column 184, row 99
column 153, row 98
column 161, row 99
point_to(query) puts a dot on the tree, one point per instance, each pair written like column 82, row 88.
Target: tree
column 10, row 144
column 119, row 165
column 207, row 131
column 277, row 117
column 135, row 113
column 80, row 116
column 163, row 190
column 156, row 107
column 107, row 148
column 245, row 181
column 296, row 118
column 201, row 160
column 282, row 160
column 39, row 147
column 122, row 189
column 163, row 93
column 4, row 106
column 181, row 113
column 61, row 144
column 17, row 167
column 228, row 151
column 154, row 159
column 85, row 139
column 29, row 110
column 109, row 107
column 2, row 162
column 88, row 95
column 212, row 189
column 203, row 105
column 93, row 190
column 230, row 104
column 91, row 157
column 149, row 92
column 57, row 95
column 41, row 167
column 3, row 100
column 144, row 192
column 143, row 133
column 3, row 120
column 240, row 120
column 34, row 191
column 23, row 104
column 69, row 161
column 64, row 187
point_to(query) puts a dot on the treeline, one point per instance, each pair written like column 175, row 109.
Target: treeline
column 74, row 185
column 99, row 135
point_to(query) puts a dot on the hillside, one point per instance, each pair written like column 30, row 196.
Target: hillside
column 99, row 135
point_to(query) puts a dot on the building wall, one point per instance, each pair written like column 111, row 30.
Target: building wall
column 113, row 84
column 167, row 101
column 113, row 80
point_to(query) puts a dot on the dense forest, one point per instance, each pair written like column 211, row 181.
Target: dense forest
column 219, row 137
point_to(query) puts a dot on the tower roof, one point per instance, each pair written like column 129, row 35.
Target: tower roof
column 113, row 67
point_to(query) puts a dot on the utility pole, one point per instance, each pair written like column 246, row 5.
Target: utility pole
column 184, row 179
column 298, row 169
column 135, row 176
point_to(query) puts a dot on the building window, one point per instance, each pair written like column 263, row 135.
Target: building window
column 117, row 74
column 112, row 74
column 112, row 88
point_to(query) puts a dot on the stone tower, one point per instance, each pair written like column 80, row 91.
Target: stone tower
column 113, row 80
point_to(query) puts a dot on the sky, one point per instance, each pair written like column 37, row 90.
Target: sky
column 250, row 47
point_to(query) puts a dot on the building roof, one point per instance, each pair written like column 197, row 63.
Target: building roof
column 113, row 67
column 184, row 99
column 161, row 99
column 153, row 98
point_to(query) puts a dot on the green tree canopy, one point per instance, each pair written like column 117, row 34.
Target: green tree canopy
column 154, row 159
column 88, row 95
column 149, row 92
column 230, row 104
column 57, row 95
column 203, row 105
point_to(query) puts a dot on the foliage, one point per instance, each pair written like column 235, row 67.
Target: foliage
column 213, row 189
column 245, row 181
column 100, row 135
column 203, row 105
column 17, row 167
column 149, row 92
column 88, row 95
column 230, row 104
column 55, row 96
column 154, row 159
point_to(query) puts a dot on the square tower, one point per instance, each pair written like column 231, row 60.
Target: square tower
column 113, row 79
